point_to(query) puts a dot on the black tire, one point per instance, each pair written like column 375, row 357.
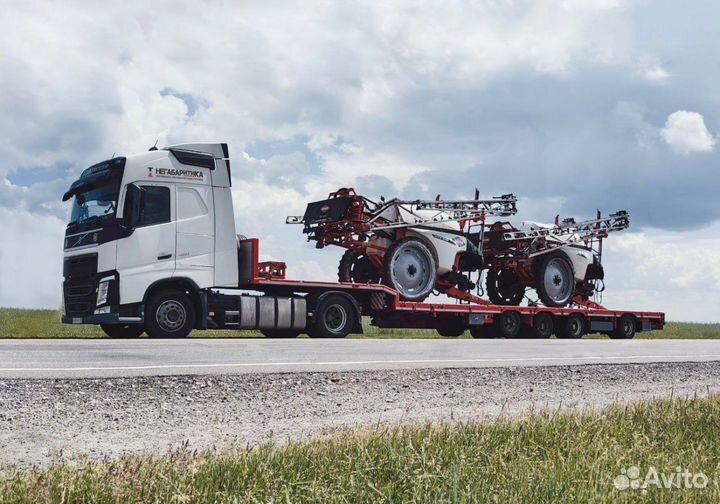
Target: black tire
column 555, row 280
column 169, row 314
column 508, row 324
column 504, row 288
column 355, row 267
column 123, row 331
column 410, row 269
column 334, row 318
column 485, row 331
column 280, row 333
column 543, row 326
column 573, row 327
column 452, row 327
column 625, row 328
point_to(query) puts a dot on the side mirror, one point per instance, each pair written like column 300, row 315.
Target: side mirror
column 133, row 205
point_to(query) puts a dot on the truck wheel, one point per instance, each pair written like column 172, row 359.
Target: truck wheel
column 169, row 314
column 573, row 327
column 280, row 333
column 484, row 331
column 504, row 288
column 122, row 331
column 543, row 326
column 410, row 269
column 334, row 318
column 555, row 280
column 355, row 267
column 452, row 327
column 508, row 324
column 625, row 328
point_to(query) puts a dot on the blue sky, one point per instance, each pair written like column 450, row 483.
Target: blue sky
column 572, row 105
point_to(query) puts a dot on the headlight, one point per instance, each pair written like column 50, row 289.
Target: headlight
column 102, row 294
column 455, row 240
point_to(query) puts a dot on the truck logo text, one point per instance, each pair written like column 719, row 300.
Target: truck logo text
column 175, row 173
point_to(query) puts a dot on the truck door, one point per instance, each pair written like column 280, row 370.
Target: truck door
column 148, row 254
column 195, row 233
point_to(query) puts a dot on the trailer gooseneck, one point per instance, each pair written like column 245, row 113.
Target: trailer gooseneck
column 151, row 247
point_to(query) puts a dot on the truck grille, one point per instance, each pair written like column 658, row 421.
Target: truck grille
column 80, row 274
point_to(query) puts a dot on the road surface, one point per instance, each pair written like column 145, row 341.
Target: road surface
column 145, row 357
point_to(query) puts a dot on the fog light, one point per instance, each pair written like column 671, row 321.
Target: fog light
column 104, row 309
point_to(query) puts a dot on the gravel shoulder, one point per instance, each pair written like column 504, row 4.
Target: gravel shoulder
column 54, row 420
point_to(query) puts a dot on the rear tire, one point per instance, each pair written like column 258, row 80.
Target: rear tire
column 573, row 327
column 410, row 269
column 355, row 267
column 625, row 328
column 543, row 325
column 280, row 333
column 169, row 314
column 555, row 280
column 122, row 331
column 334, row 318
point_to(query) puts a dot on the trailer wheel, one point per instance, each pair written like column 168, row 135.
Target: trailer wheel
column 504, row 287
column 543, row 325
column 122, row 331
column 280, row 333
column 355, row 267
column 625, row 328
column 451, row 327
column 169, row 314
column 508, row 324
column 334, row 318
column 484, row 331
column 410, row 269
column 555, row 280
column 573, row 327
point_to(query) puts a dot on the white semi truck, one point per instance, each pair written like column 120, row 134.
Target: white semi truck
column 151, row 246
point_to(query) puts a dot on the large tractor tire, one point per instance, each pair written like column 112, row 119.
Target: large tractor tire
column 555, row 280
column 410, row 269
column 355, row 267
column 504, row 287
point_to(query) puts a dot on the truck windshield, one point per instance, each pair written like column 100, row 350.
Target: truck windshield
column 97, row 203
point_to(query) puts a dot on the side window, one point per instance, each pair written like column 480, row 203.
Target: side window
column 189, row 204
column 154, row 205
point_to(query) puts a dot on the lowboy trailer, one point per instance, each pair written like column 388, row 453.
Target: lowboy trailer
column 151, row 247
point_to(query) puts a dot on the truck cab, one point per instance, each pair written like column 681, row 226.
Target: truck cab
column 139, row 224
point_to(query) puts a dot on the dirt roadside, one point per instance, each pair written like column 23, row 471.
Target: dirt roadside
column 45, row 421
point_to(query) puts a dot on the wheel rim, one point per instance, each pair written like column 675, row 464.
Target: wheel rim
column 557, row 280
column 411, row 271
column 335, row 318
column 171, row 315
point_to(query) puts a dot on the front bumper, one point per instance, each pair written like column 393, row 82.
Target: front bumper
column 102, row 318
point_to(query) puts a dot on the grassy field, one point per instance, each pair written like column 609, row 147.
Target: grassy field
column 20, row 323
column 542, row 458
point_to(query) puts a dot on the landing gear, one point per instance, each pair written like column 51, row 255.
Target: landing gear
column 504, row 287
column 410, row 268
column 555, row 280
column 355, row 267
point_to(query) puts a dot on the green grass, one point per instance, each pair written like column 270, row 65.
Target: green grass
column 21, row 323
column 543, row 458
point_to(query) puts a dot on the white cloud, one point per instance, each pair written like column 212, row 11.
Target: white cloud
column 30, row 259
column 686, row 132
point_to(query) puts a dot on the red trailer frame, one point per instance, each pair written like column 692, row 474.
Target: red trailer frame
column 385, row 306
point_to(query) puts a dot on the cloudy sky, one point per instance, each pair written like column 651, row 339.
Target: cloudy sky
column 571, row 105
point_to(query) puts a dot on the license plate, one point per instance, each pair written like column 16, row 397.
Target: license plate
column 77, row 320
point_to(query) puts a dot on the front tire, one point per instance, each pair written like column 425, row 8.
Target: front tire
column 410, row 269
column 122, row 331
column 169, row 314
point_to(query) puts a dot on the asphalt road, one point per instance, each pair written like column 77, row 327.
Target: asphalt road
column 146, row 357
